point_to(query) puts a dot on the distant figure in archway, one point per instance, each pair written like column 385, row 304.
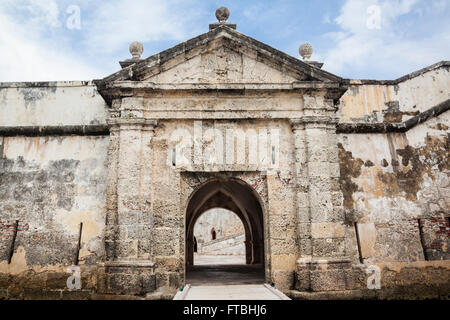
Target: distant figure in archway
column 233, row 195
column 195, row 244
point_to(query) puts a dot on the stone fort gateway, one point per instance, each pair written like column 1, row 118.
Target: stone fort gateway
column 342, row 185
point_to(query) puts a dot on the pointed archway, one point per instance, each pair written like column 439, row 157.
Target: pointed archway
column 238, row 197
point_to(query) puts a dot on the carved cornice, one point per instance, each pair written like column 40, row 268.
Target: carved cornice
column 114, row 91
column 315, row 121
column 132, row 124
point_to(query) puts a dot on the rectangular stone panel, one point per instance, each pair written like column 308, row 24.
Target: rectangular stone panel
column 327, row 230
column 367, row 236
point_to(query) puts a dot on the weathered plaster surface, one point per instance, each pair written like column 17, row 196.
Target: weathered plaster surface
column 392, row 180
column 51, row 185
column 324, row 206
column 51, row 104
column 379, row 102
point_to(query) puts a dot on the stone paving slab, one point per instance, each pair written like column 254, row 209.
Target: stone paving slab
column 233, row 292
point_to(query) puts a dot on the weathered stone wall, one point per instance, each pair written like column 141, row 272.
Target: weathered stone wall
column 396, row 100
column 231, row 245
column 396, row 185
column 50, row 184
column 279, row 214
column 392, row 180
column 392, row 211
column 51, row 104
column 394, row 176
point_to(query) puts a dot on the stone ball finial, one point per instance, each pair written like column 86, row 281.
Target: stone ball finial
column 306, row 51
column 222, row 14
column 136, row 49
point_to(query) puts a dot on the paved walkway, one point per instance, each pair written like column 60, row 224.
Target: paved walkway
column 208, row 275
column 226, row 278
column 230, row 292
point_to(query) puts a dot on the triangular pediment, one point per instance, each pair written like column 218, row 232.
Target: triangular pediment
column 222, row 55
column 222, row 61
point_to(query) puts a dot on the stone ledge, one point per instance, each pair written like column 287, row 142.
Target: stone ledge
column 332, row 295
column 47, row 84
column 441, row 64
column 39, row 131
column 401, row 293
column 364, row 127
column 223, row 86
column 115, row 297
column 319, row 260
column 129, row 264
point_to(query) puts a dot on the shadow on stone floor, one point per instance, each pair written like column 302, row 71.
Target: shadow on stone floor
column 225, row 274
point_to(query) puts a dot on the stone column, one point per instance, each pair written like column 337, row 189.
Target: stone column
column 322, row 263
column 128, row 187
column 111, row 222
column 129, row 269
column 301, row 170
column 146, row 218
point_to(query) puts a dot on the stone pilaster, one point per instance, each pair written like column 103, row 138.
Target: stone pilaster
column 146, row 218
column 322, row 264
column 302, row 185
column 128, row 187
column 111, row 223
column 129, row 268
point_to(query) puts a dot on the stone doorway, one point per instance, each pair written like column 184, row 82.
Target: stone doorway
column 236, row 196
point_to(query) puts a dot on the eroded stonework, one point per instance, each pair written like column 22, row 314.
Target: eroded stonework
column 336, row 181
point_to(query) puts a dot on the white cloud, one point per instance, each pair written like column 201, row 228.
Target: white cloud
column 40, row 14
column 46, row 12
column 36, row 45
column 363, row 52
column 118, row 22
column 439, row 4
column 326, row 18
column 27, row 55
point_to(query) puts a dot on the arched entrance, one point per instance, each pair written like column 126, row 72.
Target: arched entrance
column 238, row 197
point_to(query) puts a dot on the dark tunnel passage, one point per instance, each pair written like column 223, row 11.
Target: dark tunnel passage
column 238, row 197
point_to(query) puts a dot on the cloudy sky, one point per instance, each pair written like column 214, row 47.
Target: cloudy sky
column 43, row 40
